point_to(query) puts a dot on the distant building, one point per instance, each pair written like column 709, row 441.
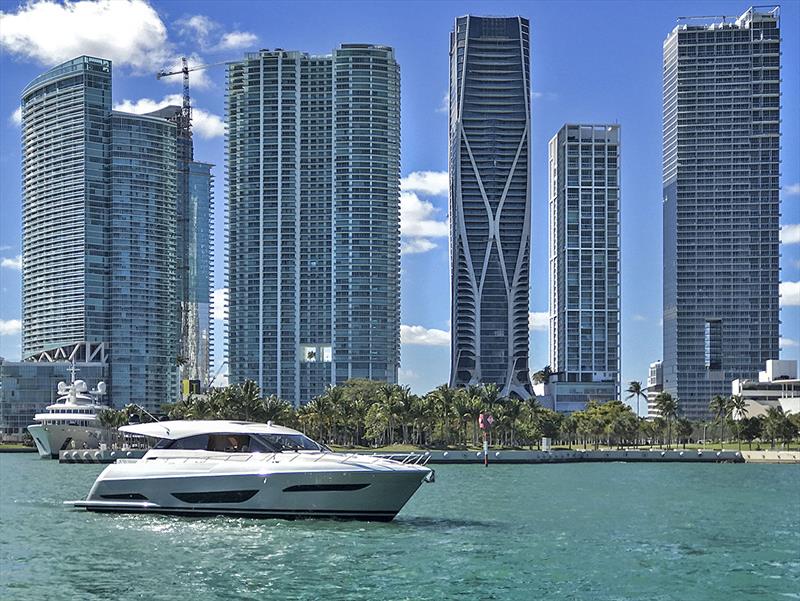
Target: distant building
column 722, row 90
column 194, row 252
column 584, row 254
column 777, row 386
column 313, row 175
column 490, row 202
column 655, row 386
column 99, row 233
column 27, row 387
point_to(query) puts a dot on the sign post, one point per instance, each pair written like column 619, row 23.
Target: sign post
column 485, row 421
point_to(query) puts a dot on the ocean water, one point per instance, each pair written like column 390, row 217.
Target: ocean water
column 589, row 532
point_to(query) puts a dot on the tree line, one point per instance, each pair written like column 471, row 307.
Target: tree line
column 368, row 413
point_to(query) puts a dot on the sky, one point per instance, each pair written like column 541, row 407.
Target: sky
column 591, row 62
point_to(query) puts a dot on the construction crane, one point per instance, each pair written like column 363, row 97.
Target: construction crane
column 186, row 109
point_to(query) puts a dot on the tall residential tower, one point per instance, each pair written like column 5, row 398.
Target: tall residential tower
column 584, row 253
column 99, row 214
column 721, row 205
column 313, row 160
column 490, row 208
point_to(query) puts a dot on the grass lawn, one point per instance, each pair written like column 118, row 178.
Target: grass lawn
column 730, row 445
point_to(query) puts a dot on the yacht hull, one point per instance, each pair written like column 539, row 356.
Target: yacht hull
column 51, row 439
column 360, row 494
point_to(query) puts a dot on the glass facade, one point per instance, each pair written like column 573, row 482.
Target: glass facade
column 313, row 159
column 721, row 204
column 99, row 232
column 584, row 257
column 490, row 209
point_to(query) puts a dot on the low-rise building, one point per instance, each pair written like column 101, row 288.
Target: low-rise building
column 777, row 386
column 655, row 386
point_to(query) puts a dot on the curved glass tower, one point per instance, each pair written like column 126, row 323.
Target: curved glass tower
column 490, row 209
column 99, row 231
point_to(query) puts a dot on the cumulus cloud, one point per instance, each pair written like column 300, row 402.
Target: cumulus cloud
column 16, row 117
column 422, row 336
column 197, row 26
column 790, row 294
column 444, row 106
column 538, row 321
column 197, row 79
column 236, row 39
column 792, row 189
column 790, row 234
column 10, row 327
column 419, row 223
column 787, row 342
column 419, row 218
column 129, row 32
column 204, row 124
column 12, row 262
column 432, row 183
column 220, row 303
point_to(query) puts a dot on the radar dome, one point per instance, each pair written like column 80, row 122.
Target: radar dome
column 101, row 387
column 62, row 387
column 80, row 386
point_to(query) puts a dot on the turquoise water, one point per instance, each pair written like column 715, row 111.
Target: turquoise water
column 576, row 532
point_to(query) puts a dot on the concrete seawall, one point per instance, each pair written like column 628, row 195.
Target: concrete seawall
column 518, row 457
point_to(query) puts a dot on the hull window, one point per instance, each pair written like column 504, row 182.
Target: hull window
column 215, row 496
column 324, row 487
column 128, row 496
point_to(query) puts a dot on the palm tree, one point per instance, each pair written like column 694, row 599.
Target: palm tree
column 444, row 398
column 720, row 407
column 668, row 408
column 683, row 430
column 389, row 404
column 739, row 412
column 635, row 390
column 543, row 375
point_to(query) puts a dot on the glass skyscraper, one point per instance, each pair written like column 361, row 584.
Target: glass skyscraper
column 584, row 255
column 490, row 208
column 313, row 165
column 99, row 215
column 721, row 204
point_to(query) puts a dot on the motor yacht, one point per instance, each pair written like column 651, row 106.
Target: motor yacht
column 251, row 469
column 71, row 422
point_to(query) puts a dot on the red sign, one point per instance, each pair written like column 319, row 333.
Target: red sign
column 485, row 421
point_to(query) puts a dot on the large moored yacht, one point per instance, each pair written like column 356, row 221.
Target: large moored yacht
column 250, row 469
column 71, row 422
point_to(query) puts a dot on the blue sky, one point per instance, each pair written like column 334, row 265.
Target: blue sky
column 592, row 62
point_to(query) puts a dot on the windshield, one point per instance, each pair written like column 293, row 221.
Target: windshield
column 291, row 442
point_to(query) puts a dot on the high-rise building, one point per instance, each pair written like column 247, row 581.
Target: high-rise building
column 721, row 204
column 194, row 256
column 99, row 214
column 313, row 175
column 584, row 255
column 490, row 208
column 655, row 386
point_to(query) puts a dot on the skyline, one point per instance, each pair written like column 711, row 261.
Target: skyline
column 425, row 296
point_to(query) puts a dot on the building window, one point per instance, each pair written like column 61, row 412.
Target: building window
column 713, row 344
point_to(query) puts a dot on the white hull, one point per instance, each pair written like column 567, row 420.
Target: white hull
column 256, row 485
column 50, row 439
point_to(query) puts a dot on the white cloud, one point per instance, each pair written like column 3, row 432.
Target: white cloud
column 792, row 189
column 418, row 223
column 414, row 246
column 16, row 117
column 236, row 39
column 129, row 32
column 790, row 294
column 220, row 302
column 10, row 327
column 538, row 321
column 787, row 342
column 790, row 234
column 444, row 107
column 422, row 336
column 407, row 374
column 638, row 317
column 206, row 125
column 433, row 183
column 12, row 262
column 199, row 26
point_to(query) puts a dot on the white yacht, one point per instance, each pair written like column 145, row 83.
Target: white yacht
column 71, row 422
column 251, row 469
